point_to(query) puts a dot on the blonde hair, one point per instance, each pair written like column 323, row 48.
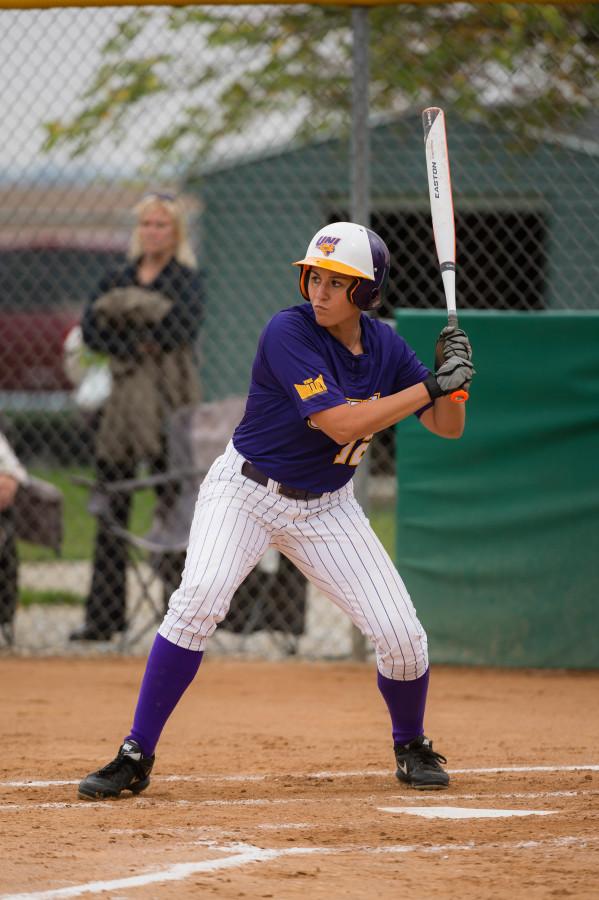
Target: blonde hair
column 184, row 253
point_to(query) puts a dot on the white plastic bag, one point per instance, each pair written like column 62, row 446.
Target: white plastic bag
column 87, row 371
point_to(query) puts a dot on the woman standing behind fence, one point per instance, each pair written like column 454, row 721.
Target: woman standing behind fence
column 145, row 317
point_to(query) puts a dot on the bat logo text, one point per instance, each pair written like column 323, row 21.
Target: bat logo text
column 435, row 180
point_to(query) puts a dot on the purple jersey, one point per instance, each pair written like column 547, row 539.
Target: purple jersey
column 301, row 369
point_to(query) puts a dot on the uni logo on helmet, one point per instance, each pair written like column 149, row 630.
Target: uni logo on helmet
column 327, row 244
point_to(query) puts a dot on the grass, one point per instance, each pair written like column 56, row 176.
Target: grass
column 382, row 519
column 28, row 597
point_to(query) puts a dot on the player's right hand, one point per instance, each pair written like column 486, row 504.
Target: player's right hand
column 453, row 375
column 452, row 342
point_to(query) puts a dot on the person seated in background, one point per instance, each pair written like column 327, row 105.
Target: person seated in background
column 145, row 317
column 12, row 474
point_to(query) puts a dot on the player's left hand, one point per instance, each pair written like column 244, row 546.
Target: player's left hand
column 455, row 374
column 452, row 341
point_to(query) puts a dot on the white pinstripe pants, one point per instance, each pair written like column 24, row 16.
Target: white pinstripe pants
column 330, row 540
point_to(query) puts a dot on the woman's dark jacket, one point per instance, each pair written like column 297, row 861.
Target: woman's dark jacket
column 148, row 333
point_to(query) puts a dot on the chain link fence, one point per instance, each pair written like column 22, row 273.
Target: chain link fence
column 245, row 114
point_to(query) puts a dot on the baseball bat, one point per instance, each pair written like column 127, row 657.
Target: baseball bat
column 439, row 187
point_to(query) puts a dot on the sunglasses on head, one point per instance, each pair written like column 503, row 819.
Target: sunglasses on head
column 159, row 196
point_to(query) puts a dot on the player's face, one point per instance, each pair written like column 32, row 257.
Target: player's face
column 157, row 232
column 328, row 296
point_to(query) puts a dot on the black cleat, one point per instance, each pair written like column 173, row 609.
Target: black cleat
column 128, row 771
column 418, row 765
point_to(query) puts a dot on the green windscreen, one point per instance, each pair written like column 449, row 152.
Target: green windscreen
column 498, row 532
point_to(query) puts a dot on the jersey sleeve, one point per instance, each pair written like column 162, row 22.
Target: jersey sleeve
column 297, row 365
column 409, row 369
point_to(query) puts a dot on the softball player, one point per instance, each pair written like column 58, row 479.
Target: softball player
column 324, row 379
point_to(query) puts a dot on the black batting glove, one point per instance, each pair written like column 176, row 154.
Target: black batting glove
column 452, row 341
column 453, row 375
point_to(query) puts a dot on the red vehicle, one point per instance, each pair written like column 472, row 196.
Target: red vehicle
column 43, row 289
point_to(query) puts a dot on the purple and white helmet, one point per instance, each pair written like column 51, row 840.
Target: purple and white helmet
column 349, row 249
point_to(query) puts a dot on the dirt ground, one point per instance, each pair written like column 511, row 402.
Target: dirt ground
column 276, row 780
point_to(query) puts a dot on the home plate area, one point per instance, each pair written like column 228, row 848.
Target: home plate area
column 284, row 836
column 458, row 812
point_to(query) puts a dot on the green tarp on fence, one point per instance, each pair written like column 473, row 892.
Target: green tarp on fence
column 498, row 532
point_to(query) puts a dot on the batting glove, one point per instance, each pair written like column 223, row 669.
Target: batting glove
column 452, row 342
column 453, row 375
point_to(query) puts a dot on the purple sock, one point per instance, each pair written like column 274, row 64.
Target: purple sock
column 169, row 671
column 406, row 701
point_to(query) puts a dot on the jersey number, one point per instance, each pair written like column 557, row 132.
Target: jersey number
column 351, row 454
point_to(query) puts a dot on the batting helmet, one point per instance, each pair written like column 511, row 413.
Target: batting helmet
column 349, row 249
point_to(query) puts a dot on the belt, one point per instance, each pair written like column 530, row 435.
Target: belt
column 251, row 471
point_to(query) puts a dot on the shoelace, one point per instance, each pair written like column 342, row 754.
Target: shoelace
column 429, row 756
column 118, row 763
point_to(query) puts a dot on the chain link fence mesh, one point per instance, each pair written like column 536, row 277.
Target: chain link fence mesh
column 245, row 113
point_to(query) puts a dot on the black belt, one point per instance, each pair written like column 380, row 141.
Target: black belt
column 250, row 471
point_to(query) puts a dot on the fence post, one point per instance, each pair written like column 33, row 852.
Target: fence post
column 360, row 209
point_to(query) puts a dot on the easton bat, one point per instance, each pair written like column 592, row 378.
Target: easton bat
column 439, row 186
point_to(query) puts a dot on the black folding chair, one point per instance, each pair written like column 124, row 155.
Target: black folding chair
column 36, row 516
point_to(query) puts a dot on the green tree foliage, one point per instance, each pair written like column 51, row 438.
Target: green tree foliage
column 233, row 70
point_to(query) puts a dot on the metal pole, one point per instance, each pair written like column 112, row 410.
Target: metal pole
column 360, row 208
column 360, row 137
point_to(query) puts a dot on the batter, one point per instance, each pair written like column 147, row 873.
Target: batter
column 326, row 377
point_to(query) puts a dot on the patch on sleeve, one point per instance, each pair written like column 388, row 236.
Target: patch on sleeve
column 311, row 387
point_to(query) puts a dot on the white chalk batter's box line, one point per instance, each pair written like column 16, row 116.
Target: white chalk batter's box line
column 368, row 773
column 154, row 803
column 241, row 854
